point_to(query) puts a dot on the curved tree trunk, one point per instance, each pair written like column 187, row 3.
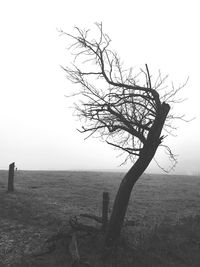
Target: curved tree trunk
column 126, row 186
column 122, row 200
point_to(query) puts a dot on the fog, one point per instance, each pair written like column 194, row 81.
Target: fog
column 38, row 129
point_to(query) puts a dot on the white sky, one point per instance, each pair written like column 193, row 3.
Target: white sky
column 37, row 129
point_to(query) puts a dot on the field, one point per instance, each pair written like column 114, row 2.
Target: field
column 43, row 201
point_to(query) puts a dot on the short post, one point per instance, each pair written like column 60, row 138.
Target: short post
column 11, row 177
column 105, row 211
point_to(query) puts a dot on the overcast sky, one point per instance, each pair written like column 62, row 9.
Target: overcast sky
column 37, row 129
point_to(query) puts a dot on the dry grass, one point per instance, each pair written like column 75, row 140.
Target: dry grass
column 168, row 245
column 43, row 201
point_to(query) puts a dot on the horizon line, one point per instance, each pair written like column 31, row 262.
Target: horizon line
column 101, row 170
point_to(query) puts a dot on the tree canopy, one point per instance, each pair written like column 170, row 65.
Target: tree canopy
column 117, row 104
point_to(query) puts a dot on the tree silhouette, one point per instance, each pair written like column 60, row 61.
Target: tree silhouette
column 126, row 110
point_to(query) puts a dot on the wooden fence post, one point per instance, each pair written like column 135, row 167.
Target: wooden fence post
column 11, row 177
column 105, row 211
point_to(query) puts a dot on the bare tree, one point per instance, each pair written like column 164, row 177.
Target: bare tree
column 126, row 110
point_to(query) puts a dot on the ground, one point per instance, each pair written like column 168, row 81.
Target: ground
column 42, row 203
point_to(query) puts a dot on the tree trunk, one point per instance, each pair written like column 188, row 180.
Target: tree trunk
column 126, row 186
column 122, row 200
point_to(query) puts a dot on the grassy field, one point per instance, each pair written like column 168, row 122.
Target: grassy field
column 43, row 201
